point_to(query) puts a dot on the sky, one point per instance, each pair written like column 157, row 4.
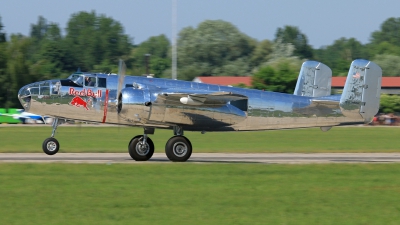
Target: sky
column 322, row 22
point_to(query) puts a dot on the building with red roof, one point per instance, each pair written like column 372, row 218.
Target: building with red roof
column 390, row 85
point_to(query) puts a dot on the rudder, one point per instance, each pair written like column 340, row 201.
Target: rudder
column 361, row 93
column 314, row 80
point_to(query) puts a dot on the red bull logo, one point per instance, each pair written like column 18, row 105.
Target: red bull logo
column 79, row 102
column 85, row 92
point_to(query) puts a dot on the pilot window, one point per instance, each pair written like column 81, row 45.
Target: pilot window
column 102, row 83
column 90, row 81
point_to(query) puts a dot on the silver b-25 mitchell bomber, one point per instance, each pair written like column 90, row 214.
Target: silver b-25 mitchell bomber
column 181, row 105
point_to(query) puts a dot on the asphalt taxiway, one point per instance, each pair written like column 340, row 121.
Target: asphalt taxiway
column 268, row 158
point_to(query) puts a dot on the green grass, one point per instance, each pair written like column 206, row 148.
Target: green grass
column 115, row 139
column 199, row 194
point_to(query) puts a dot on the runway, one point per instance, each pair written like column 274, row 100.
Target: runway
column 267, row 158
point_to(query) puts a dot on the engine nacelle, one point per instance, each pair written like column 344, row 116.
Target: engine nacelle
column 134, row 105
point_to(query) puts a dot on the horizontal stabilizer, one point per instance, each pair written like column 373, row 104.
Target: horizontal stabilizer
column 314, row 80
column 361, row 93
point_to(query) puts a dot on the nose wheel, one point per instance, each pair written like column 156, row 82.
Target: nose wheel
column 51, row 146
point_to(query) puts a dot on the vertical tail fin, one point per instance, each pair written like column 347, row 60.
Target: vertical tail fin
column 361, row 93
column 314, row 80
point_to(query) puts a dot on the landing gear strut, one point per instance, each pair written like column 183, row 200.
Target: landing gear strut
column 51, row 146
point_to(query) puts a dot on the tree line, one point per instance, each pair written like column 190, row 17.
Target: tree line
column 94, row 42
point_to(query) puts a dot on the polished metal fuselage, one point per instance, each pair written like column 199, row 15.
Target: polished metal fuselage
column 149, row 104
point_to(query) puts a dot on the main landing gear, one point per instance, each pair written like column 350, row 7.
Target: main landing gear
column 177, row 149
column 51, row 146
column 141, row 148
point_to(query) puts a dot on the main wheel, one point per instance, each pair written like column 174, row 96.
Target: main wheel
column 139, row 151
column 50, row 146
column 137, row 136
column 178, row 149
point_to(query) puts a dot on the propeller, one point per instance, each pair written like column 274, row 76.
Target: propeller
column 121, row 79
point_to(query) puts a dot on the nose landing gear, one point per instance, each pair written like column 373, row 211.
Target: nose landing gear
column 51, row 146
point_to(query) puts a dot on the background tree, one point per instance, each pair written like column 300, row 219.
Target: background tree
column 389, row 103
column 3, row 66
column 96, row 40
column 51, row 58
column 291, row 34
column 340, row 54
column 390, row 64
column 205, row 50
column 2, row 34
column 262, row 53
column 17, row 74
column 279, row 76
column 39, row 30
column 389, row 32
column 158, row 47
column 382, row 48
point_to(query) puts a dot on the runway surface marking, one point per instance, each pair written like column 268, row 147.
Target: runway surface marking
column 272, row 158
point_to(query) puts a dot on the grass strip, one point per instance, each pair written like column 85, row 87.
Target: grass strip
column 115, row 139
column 199, row 194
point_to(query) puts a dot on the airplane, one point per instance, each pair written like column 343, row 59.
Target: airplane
column 183, row 105
column 27, row 118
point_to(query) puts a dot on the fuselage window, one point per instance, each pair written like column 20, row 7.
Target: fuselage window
column 44, row 88
column 102, row 83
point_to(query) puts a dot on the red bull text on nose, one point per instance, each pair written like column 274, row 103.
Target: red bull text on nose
column 85, row 92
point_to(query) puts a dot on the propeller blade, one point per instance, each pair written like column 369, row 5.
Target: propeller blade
column 121, row 79
column 121, row 76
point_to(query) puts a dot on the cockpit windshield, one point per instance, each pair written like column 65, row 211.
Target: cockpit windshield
column 87, row 80
column 77, row 79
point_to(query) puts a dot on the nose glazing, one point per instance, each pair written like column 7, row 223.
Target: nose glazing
column 24, row 96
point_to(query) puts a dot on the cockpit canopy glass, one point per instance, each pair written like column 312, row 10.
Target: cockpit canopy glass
column 77, row 79
column 88, row 80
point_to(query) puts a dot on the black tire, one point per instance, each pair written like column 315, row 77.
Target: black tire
column 50, row 146
column 137, row 152
column 178, row 149
column 137, row 136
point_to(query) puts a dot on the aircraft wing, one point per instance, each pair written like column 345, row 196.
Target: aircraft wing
column 200, row 98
